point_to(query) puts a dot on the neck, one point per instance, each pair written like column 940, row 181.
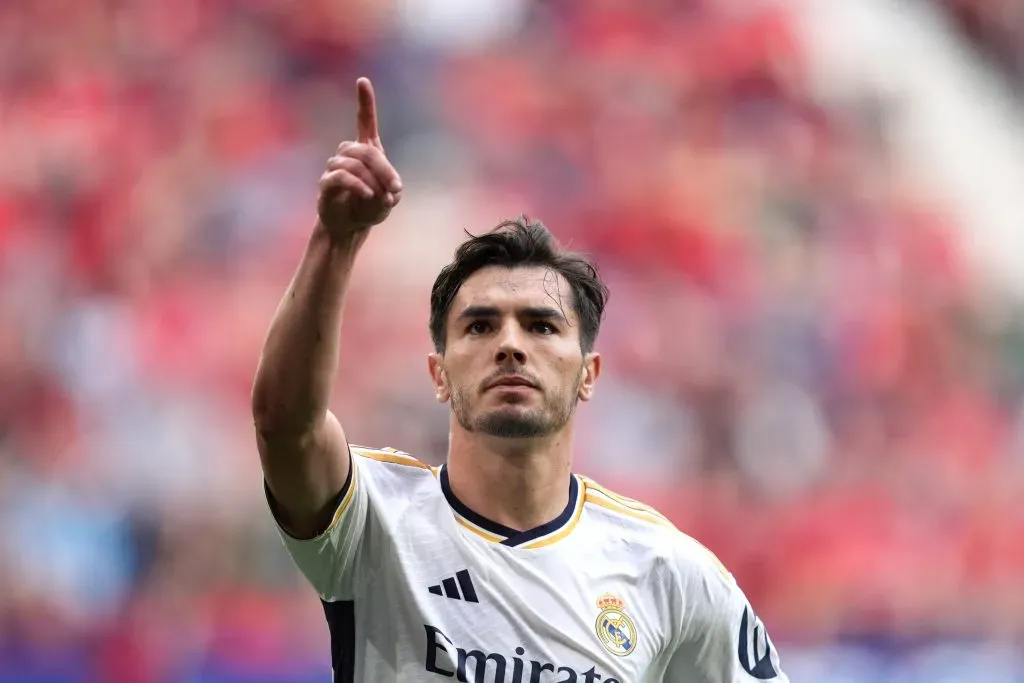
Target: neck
column 518, row 483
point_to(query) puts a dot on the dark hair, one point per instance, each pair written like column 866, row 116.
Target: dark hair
column 520, row 243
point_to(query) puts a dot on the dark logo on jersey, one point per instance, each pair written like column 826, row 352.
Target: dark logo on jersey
column 444, row 658
column 452, row 584
column 755, row 648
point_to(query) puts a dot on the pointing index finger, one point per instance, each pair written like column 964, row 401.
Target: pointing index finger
column 366, row 118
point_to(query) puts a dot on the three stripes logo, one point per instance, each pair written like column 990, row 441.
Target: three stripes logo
column 451, row 586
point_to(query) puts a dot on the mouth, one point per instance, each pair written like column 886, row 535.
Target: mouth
column 512, row 382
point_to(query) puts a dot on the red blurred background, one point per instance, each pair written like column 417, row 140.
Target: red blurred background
column 807, row 370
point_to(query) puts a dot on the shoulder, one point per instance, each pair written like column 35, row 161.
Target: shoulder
column 623, row 511
column 390, row 470
column 646, row 528
column 389, row 456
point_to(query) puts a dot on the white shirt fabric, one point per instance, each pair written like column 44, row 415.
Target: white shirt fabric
column 417, row 587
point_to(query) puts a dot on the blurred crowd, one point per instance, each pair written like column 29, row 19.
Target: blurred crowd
column 802, row 370
column 996, row 29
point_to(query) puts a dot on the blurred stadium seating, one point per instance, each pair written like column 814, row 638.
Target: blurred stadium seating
column 804, row 370
column 996, row 29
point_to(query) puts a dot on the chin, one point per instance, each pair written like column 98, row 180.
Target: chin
column 506, row 412
column 513, row 422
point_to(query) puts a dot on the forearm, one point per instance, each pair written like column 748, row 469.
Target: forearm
column 299, row 361
column 302, row 446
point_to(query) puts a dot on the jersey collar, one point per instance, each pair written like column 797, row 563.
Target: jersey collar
column 545, row 534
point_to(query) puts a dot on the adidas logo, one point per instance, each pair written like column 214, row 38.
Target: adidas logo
column 449, row 588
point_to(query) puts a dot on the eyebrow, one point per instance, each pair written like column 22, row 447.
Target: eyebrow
column 528, row 311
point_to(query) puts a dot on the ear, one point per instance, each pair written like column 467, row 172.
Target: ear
column 435, row 363
column 588, row 375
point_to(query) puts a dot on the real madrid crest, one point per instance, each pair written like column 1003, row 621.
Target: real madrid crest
column 615, row 629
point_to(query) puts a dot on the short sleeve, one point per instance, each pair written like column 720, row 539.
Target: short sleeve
column 721, row 640
column 328, row 561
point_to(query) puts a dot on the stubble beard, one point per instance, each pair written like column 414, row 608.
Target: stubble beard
column 514, row 422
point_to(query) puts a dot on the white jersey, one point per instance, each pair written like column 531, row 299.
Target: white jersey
column 417, row 587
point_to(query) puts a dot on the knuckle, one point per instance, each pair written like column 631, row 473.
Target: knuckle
column 333, row 179
column 363, row 152
column 353, row 156
column 350, row 164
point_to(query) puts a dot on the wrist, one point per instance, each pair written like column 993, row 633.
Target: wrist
column 344, row 241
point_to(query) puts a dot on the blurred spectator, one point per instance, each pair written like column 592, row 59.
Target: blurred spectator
column 810, row 378
column 996, row 29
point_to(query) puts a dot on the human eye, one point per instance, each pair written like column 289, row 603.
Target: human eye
column 544, row 327
column 478, row 327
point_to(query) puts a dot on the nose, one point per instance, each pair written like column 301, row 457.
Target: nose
column 510, row 347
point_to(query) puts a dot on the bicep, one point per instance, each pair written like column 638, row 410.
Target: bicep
column 305, row 474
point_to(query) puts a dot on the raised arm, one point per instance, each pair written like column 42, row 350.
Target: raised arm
column 302, row 445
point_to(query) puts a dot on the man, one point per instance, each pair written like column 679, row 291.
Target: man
column 501, row 565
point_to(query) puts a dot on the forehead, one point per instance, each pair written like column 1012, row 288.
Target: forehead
column 513, row 288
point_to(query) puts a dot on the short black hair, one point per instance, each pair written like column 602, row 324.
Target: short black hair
column 520, row 243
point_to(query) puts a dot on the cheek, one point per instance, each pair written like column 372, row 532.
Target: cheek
column 458, row 369
column 567, row 365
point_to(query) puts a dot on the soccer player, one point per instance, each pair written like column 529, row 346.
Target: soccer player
column 502, row 565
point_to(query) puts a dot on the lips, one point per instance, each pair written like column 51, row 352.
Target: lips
column 515, row 381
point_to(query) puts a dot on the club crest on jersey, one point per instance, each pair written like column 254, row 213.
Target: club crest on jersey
column 615, row 629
